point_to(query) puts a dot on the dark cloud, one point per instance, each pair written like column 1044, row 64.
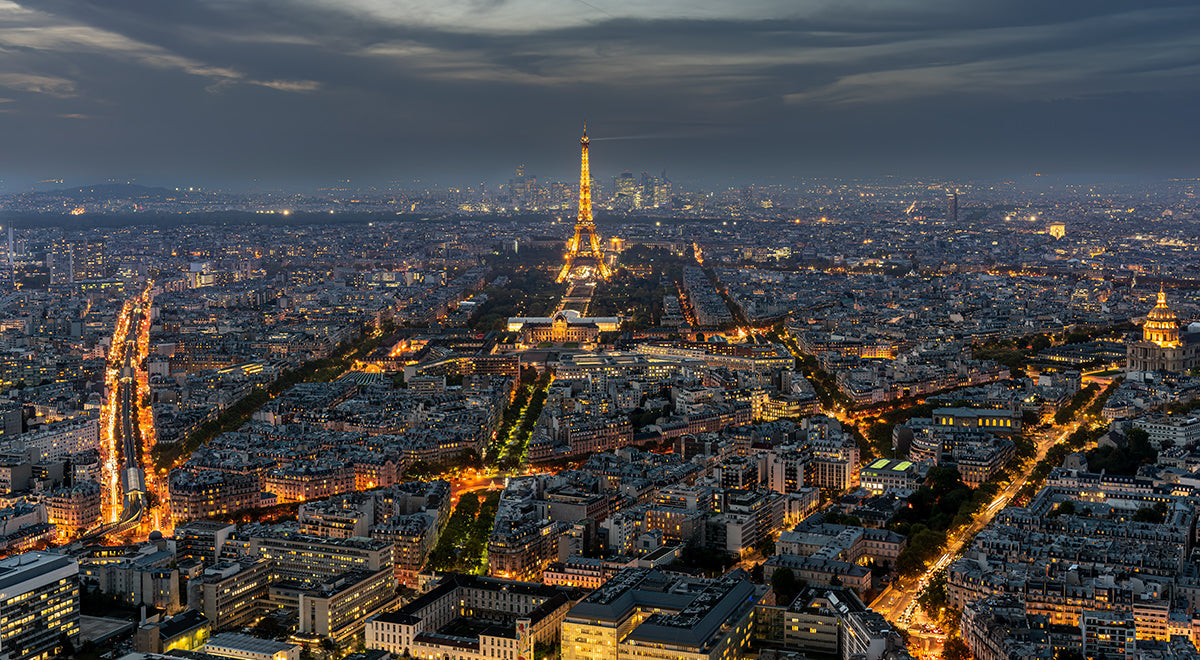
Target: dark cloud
column 309, row 91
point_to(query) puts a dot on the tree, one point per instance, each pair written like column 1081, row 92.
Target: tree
column 765, row 547
column 529, row 375
column 330, row 648
column 68, row 649
column 1152, row 514
column 956, row 649
column 934, row 597
column 838, row 518
column 1124, row 460
column 708, row 561
column 1065, row 509
column 786, row 587
column 269, row 627
column 1040, row 343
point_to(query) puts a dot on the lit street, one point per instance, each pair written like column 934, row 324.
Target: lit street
column 898, row 602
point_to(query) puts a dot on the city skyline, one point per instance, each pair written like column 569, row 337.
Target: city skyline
column 599, row 330
column 865, row 388
column 307, row 93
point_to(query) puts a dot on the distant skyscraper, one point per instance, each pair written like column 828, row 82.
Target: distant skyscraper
column 662, row 191
column 60, row 260
column 649, row 183
column 87, row 258
column 10, row 256
column 523, row 189
column 626, row 192
column 952, row 207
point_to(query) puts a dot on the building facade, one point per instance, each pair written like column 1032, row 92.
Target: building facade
column 643, row 613
column 1163, row 346
column 518, row 615
column 39, row 599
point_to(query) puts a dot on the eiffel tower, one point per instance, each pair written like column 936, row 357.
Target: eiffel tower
column 584, row 259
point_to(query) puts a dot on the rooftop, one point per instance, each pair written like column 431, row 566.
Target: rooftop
column 230, row 641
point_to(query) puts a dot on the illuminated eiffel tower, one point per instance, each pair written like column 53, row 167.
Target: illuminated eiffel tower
column 584, row 259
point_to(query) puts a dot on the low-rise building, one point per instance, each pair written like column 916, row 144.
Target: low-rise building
column 886, row 474
column 244, row 647
column 644, row 613
column 1107, row 634
column 302, row 557
column 1167, row 431
column 337, row 607
column 300, row 482
column 60, row 439
column 820, row 571
column 75, row 509
column 199, row 494
column 473, row 618
column 186, row 631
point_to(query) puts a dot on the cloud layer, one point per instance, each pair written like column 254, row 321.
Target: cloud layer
column 315, row 90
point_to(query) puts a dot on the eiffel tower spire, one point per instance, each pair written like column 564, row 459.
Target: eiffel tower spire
column 584, row 248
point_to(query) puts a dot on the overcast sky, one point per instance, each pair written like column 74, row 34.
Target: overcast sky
column 306, row 92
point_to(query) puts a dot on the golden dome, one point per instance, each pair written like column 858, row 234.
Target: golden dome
column 1162, row 326
column 1161, row 312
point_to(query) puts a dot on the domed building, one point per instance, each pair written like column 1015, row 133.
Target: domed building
column 1164, row 346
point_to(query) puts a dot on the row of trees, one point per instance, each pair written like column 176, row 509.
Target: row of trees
column 823, row 382
column 1016, row 353
column 530, row 291
column 1077, row 441
column 508, row 419
column 515, row 441
column 639, row 299
column 425, row 470
column 1068, row 412
column 232, row 419
column 462, row 545
column 943, row 503
column 1096, row 407
column 320, row 370
column 935, row 600
column 1122, row 460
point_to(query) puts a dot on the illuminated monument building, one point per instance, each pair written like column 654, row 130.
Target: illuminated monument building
column 1164, row 345
column 584, row 265
column 584, row 259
